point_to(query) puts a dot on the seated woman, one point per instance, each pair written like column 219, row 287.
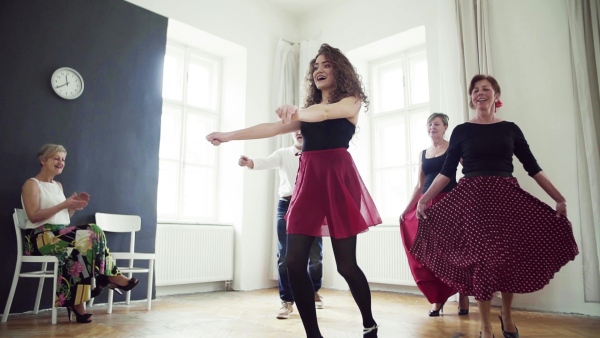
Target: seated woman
column 81, row 249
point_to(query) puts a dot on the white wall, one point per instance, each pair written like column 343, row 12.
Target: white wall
column 531, row 60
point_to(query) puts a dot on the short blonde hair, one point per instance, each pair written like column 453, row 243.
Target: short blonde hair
column 442, row 116
column 49, row 150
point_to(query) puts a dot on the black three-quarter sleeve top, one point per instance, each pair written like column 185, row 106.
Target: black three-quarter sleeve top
column 488, row 147
column 328, row 134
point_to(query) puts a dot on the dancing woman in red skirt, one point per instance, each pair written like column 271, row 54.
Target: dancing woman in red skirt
column 432, row 159
column 329, row 198
column 488, row 234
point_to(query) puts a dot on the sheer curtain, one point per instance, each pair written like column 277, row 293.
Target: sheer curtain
column 285, row 81
column 308, row 51
column 584, row 30
column 451, row 84
column 474, row 44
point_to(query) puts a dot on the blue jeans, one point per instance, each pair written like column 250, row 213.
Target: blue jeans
column 315, row 258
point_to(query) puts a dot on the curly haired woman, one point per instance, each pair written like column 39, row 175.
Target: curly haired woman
column 330, row 198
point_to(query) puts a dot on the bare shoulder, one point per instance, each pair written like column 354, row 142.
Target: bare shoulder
column 30, row 184
column 30, row 188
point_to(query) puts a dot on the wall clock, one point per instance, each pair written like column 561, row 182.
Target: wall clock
column 67, row 83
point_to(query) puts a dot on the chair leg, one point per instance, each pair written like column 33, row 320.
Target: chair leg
column 128, row 295
column 110, row 300
column 150, row 280
column 12, row 292
column 54, row 310
column 36, row 308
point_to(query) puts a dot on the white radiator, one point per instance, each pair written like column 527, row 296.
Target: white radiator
column 188, row 254
column 381, row 256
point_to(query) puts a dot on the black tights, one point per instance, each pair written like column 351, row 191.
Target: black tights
column 298, row 249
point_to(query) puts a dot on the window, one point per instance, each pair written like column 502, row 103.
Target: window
column 400, row 93
column 187, row 163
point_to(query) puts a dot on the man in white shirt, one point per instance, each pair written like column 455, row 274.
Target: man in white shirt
column 287, row 160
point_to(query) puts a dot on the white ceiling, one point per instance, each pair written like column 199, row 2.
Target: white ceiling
column 301, row 7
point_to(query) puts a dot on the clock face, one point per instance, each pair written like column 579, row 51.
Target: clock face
column 67, row 83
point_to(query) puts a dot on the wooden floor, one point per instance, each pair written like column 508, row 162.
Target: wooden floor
column 252, row 315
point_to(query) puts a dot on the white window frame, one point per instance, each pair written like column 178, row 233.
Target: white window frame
column 407, row 115
column 186, row 110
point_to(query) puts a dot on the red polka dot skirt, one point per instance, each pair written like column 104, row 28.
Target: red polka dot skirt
column 490, row 235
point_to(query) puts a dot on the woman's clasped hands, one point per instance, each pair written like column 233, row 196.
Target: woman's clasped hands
column 286, row 113
column 77, row 201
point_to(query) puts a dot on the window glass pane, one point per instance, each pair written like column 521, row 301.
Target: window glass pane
column 392, row 192
column 390, row 142
column 168, row 173
column 173, row 74
column 419, row 81
column 198, row 196
column 419, row 135
column 201, row 83
column 414, row 178
column 391, row 88
column 197, row 150
column 170, row 132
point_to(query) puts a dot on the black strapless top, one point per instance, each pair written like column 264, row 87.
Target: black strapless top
column 328, row 134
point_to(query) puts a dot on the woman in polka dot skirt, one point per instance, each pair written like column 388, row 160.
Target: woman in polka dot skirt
column 488, row 234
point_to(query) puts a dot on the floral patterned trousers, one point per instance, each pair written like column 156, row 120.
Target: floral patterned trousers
column 82, row 254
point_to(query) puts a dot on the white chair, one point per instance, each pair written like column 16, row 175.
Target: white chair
column 131, row 224
column 19, row 218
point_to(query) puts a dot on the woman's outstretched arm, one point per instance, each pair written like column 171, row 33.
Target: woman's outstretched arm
column 258, row 131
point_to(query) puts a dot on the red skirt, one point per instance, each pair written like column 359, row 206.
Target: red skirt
column 432, row 287
column 330, row 198
column 490, row 235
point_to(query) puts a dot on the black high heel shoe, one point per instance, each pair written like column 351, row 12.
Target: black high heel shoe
column 436, row 313
column 133, row 282
column 506, row 333
column 370, row 331
column 83, row 318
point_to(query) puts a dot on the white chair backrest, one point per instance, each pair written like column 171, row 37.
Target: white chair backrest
column 118, row 223
column 19, row 220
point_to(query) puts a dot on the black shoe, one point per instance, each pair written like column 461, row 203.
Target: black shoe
column 370, row 332
column 81, row 318
column 463, row 312
column 506, row 333
column 130, row 285
column 436, row 313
